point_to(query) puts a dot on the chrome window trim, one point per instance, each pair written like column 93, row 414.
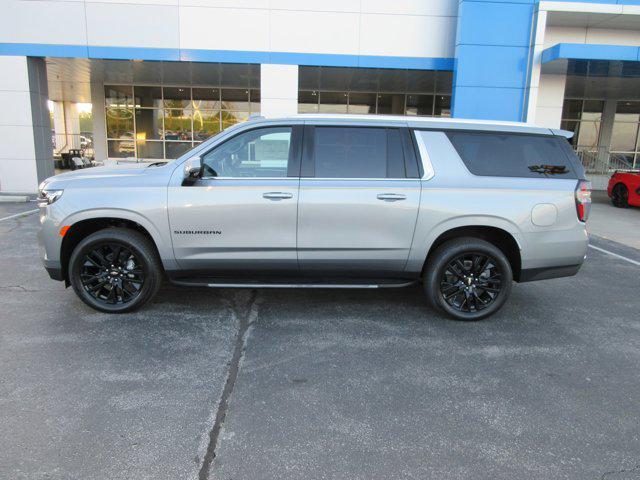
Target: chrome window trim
column 424, row 157
column 360, row 178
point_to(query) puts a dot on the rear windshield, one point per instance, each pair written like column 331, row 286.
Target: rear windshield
column 514, row 155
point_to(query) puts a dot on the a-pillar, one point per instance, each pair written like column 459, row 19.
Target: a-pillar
column 26, row 156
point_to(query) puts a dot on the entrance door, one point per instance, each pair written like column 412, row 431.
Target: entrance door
column 241, row 215
column 358, row 208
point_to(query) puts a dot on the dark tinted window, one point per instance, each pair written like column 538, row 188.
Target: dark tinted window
column 342, row 152
column 513, row 155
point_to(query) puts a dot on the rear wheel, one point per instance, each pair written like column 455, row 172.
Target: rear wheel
column 468, row 279
column 620, row 196
column 115, row 270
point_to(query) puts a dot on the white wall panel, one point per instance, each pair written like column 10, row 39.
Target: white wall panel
column 278, row 81
column 411, row 7
column 138, row 2
column 16, row 108
column 224, row 28
column 42, row 22
column 403, row 35
column 17, row 141
column 613, row 37
column 18, row 176
column 549, row 100
column 226, row 3
column 318, row 5
column 554, row 35
column 317, row 32
column 14, row 75
column 605, row 36
column 132, row 25
column 278, row 90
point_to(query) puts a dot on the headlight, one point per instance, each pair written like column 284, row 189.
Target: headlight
column 47, row 197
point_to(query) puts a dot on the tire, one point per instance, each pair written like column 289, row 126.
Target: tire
column 463, row 297
column 115, row 270
column 620, row 196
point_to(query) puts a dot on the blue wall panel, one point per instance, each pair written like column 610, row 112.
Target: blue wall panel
column 490, row 103
column 492, row 56
column 495, row 23
column 490, row 66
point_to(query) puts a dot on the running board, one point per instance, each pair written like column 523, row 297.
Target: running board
column 204, row 283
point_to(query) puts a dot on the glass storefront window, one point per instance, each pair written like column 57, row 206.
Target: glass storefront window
column 333, row 102
column 231, row 118
column 148, row 97
column 175, row 149
column 148, row 124
column 443, row 106
column 177, row 97
column 177, row 124
column 155, row 122
column 119, row 122
column 389, row 103
column 206, row 98
column 308, row 102
column 149, row 149
column 205, row 124
column 235, row 99
column 625, row 133
column 371, row 90
column 118, row 95
column 120, row 149
column 362, row 103
column 419, row 104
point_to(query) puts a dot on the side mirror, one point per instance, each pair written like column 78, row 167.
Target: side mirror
column 192, row 170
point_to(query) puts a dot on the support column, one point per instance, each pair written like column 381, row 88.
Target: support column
column 278, row 90
column 98, row 117
column 550, row 99
column 26, row 156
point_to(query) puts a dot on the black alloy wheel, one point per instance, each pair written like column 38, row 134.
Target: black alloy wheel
column 115, row 270
column 471, row 282
column 112, row 274
column 467, row 278
column 620, row 196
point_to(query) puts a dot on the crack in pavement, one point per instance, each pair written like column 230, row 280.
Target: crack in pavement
column 245, row 319
column 18, row 287
column 605, row 475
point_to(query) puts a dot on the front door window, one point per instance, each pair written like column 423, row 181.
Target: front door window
column 261, row 153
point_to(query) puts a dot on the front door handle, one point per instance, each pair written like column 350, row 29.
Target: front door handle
column 277, row 195
column 391, row 197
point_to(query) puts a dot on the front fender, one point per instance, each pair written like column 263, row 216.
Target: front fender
column 159, row 233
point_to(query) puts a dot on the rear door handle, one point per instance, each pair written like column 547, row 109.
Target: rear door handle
column 277, row 195
column 391, row 197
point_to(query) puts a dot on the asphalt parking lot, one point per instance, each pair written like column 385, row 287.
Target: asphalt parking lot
column 276, row 384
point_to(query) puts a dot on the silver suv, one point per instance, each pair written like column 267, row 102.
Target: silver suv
column 463, row 207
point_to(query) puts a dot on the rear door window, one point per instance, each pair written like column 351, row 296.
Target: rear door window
column 513, row 155
column 357, row 152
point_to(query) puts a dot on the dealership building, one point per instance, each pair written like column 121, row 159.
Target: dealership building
column 145, row 80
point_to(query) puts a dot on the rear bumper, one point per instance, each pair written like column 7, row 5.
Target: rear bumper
column 545, row 273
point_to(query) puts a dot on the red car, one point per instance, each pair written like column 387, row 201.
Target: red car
column 624, row 189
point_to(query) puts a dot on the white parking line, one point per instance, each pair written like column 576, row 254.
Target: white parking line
column 615, row 255
column 18, row 215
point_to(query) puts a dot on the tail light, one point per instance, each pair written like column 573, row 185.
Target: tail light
column 583, row 200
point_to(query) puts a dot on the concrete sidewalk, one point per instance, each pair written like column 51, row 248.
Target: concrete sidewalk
column 621, row 225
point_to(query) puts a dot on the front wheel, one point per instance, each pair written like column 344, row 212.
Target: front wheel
column 468, row 279
column 620, row 196
column 115, row 270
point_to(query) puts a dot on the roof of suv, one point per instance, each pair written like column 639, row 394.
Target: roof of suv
column 423, row 122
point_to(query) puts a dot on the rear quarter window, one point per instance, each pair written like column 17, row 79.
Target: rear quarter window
column 513, row 155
